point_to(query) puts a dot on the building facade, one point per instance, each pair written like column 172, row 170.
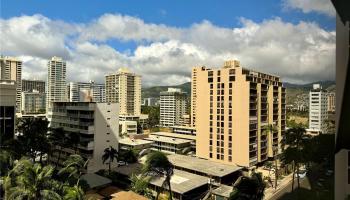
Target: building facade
column 11, row 69
column 33, row 102
column 317, row 109
column 124, row 87
column 56, row 82
column 7, row 109
column 150, row 101
column 86, row 92
column 233, row 107
column 95, row 123
column 331, row 102
column 31, row 85
column 173, row 105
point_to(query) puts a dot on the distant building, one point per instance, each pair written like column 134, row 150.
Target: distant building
column 136, row 144
column 124, row 88
column 231, row 107
column 33, row 102
column 7, row 109
column 185, row 120
column 317, row 109
column 56, row 82
column 168, row 144
column 11, row 70
column 31, row 85
column 173, row 105
column 331, row 102
column 96, row 124
column 150, row 102
column 86, row 92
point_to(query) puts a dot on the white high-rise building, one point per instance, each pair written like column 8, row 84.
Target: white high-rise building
column 173, row 104
column 56, row 82
column 11, row 70
column 124, row 87
column 86, row 92
column 317, row 109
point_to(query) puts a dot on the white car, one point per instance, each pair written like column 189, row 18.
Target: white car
column 301, row 174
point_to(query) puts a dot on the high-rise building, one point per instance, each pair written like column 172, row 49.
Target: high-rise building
column 124, row 88
column 331, row 102
column 31, row 85
column 33, row 102
column 173, row 105
column 150, row 101
column 86, row 92
column 11, row 69
column 97, row 127
column 233, row 107
column 7, row 109
column 56, row 82
column 317, row 109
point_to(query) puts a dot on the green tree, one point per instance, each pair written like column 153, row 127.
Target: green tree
column 6, row 162
column 29, row 181
column 270, row 129
column 139, row 185
column 129, row 155
column 157, row 164
column 153, row 115
column 58, row 139
column 248, row 188
column 73, row 193
column 73, row 167
column 74, row 140
column 109, row 155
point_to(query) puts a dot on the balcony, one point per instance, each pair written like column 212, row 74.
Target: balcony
column 253, row 118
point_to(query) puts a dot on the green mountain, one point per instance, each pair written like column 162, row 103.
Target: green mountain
column 155, row 90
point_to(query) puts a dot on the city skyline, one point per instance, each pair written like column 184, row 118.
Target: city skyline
column 95, row 45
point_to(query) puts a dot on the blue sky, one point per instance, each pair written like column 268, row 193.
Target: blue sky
column 175, row 15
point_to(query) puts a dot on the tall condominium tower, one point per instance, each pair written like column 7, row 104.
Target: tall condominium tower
column 56, row 82
column 173, row 104
column 11, row 69
column 7, row 110
column 331, row 102
column 317, row 109
column 233, row 108
column 124, row 88
column 90, row 91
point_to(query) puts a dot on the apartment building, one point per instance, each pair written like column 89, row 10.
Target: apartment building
column 128, row 127
column 124, row 87
column 56, row 82
column 168, row 144
column 8, row 93
column 232, row 108
column 95, row 123
column 150, row 101
column 86, row 92
column 317, row 109
column 33, row 102
column 11, row 70
column 173, row 105
column 331, row 102
column 31, row 85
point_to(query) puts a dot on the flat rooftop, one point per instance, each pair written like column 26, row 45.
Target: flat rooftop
column 134, row 142
column 223, row 190
column 175, row 135
column 184, row 127
column 170, row 140
column 203, row 166
column 181, row 182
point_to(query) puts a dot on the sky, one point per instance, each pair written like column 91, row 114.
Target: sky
column 163, row 40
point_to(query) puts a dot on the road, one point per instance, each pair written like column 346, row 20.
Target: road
column 304, row 183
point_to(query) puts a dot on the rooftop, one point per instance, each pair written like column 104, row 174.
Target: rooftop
column 181, row 182
column 174, row 135
column 223, row 190
column 127, row 195
column 201, row 165
column 94, row 180
column 134, row 142
column 184, row 127
column 164, row 139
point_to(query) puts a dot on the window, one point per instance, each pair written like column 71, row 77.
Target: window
column 108, row 133
column 108, row 118
column 108, row 111
column 211, row 86
column 230, row 158
column 219, row 79
column 107, row 125
column 229, row 145
column 232, row 78
column 230, row 98
column 210, row 142
column 217, row 143
column 210, row 155
column 230, row 138
column 107, row 141
column 230, row 85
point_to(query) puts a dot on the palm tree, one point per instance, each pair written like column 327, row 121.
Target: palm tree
column 30, row 181
column 57, row 138
column 74, row 167
column 73, row 193
column 109, row 154
column 270, row 129
column 248, row 188
column 139, row 185
column 157, row 164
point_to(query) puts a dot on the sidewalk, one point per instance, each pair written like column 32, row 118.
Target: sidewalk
column 270, row 192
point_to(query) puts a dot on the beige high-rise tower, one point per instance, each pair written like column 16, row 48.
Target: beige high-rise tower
column 11, row 69
column 124, row 88
column 231, row 108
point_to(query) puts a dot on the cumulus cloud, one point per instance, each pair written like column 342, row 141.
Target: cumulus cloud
column 164, row 55
column 307, row 6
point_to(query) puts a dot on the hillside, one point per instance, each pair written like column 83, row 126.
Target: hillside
column 293, row 90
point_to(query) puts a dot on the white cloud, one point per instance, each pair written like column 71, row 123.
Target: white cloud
column 164, row 55
column 307, row 6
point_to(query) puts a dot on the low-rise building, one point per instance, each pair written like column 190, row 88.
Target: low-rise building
column 185, row 130
column 137, row 144
column 192, row 138
column 169, row 144
column 33, row 102
column 127, row 127
column 97, row 127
